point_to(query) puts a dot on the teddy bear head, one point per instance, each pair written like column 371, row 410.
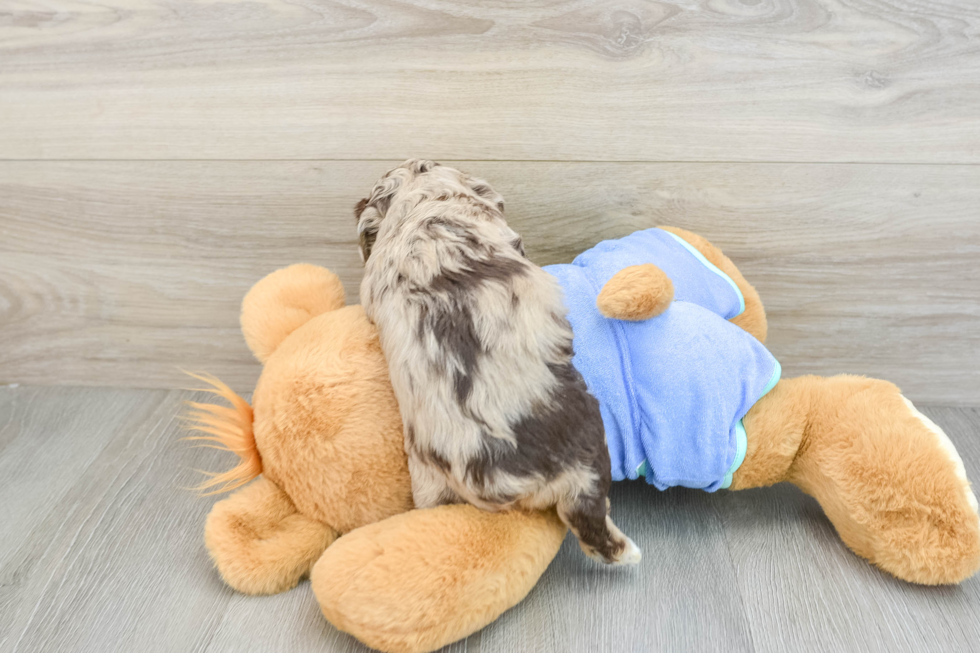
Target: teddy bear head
column 325, row 421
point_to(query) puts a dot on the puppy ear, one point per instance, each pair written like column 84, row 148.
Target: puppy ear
column 371, row 211
column 516, row 241
column 484, row 190
column 419, row 166
column 519, row 246
column 368, row 223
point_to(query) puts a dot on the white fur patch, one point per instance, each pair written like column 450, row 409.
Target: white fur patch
column 632, row 554
column 949, row 449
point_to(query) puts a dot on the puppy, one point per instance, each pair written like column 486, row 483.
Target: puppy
column 480, row 355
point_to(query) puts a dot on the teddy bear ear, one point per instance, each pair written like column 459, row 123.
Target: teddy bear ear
column 285, row 300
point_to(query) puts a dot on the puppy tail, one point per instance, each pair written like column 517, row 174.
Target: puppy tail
column 228, row 429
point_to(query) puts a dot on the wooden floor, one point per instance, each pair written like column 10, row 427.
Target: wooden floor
column 101, row 551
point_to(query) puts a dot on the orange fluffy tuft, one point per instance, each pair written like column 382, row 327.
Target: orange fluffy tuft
column 228, row 429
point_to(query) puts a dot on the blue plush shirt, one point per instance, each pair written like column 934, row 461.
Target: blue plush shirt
column 672, row 389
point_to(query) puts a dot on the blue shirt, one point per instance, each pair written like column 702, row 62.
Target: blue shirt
column 672, row 389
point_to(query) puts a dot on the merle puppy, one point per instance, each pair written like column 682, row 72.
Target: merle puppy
column 480, row 355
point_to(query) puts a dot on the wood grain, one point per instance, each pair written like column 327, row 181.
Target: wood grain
column 673, row 80
column 74, row 473
column 804, row 590
column 119, row 273
column 49, row 439
column 114, row 563
column 102, row 552
column 682, row 597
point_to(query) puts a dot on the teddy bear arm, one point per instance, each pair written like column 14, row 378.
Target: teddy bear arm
column 260, row 543
column 887, row 477
column 423, row 579
column 753, row 318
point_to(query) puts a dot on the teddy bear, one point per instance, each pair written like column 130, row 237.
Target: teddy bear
column 322, row 486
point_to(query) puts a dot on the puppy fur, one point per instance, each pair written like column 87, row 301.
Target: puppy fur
column 480, row 356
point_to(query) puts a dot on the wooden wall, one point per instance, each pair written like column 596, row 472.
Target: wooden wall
column 157, row 158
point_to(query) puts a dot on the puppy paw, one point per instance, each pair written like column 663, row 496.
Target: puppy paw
column 631, row 554
column 626, row 554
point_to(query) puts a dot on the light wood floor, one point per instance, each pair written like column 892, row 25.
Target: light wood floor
column 101, row 551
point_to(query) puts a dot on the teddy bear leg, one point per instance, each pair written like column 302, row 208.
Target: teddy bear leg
column 774, row 427
column 753, row 318
column 426, row 578
column 888, row 478
column 260, row 543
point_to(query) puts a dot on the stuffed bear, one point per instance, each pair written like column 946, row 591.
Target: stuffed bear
column 333, row 497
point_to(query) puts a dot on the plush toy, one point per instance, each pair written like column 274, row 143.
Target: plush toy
column 334, row 497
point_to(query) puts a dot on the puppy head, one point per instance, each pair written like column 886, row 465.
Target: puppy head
column 414, row 181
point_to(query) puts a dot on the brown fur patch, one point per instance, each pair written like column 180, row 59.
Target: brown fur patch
column 587, row 519
column 452, row 326
column 359, row 208
column 563, row 433
column 473, row 272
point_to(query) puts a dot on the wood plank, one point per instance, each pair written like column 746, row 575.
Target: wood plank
column 292, row 623
column 682, row 597
column 49, row 438
column 577, row 606
column 115, row 562
column 123, row 566
column 119, row 273
column 111, row 558
column 675, row 80
column 805, row 591
column 49, row 429
column 285, row 622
